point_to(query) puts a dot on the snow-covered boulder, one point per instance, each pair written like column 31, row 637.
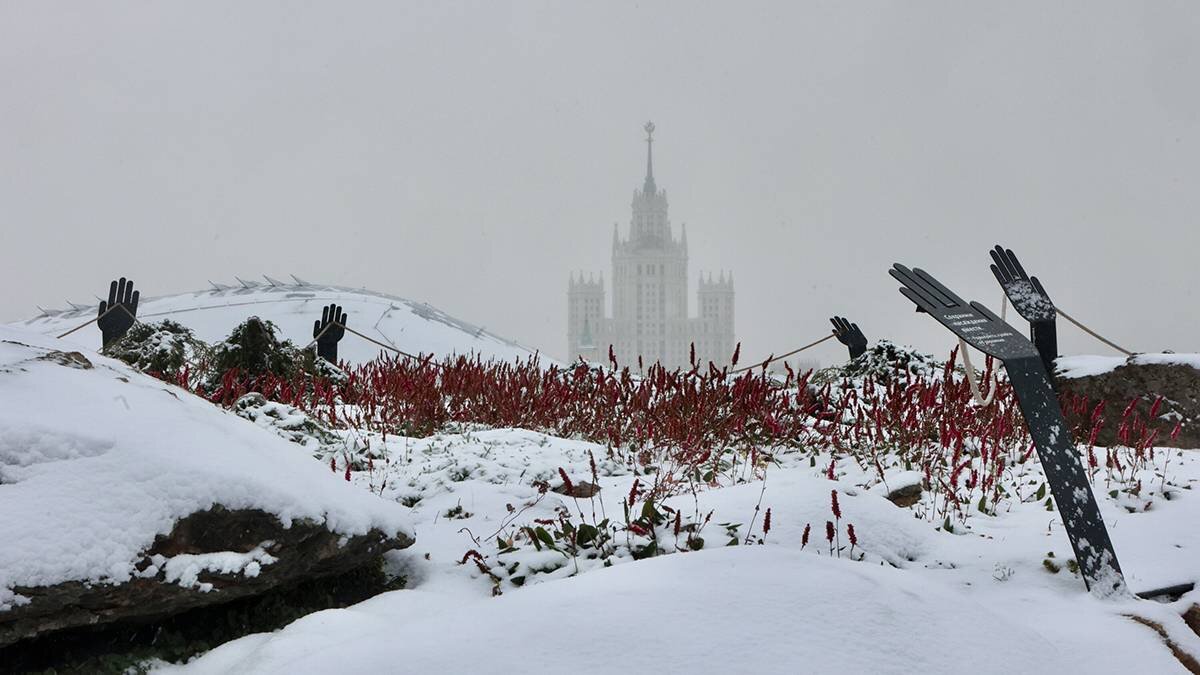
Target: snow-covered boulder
column 1119, row 380
column 122, row 497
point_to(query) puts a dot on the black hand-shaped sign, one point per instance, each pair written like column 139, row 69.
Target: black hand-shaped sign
column 1024, row 292
column 329, row 331
column 849, row 334
column 982, row 329
column 1031, row 301
column 123, row 301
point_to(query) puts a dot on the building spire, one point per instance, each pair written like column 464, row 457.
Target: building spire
column 649, row 187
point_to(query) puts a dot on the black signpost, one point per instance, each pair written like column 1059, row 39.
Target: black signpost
column 849, row 335
column 1031, row 301
column 985, row 331
column 328, row 331
column 114, row 324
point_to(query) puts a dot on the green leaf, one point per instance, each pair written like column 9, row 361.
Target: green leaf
column 1041, row 493
column 586, row 534
column 533, row 538
column 545, row 537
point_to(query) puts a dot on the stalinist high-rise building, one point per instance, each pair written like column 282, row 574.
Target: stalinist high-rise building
column 650, row 294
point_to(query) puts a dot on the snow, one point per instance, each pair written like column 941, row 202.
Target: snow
column 747, row 609
column 96, row 462
column 410, row 326
column 1072, row 367
column 911, row 597
column 185, row 568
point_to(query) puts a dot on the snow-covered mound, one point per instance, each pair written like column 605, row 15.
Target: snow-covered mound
column 1073, row 367
column 410, row 326
column 761, row 609
column 96, row 460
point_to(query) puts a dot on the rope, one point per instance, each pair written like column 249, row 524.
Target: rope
column 388, row 347
column 972, row 378
column 782, row 356
column 94, row 320
column 1091, row 332
column 318, row 337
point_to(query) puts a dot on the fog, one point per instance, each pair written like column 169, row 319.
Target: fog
column 473, row 155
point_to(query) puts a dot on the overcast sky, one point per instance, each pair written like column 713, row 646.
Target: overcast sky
column 472, row 155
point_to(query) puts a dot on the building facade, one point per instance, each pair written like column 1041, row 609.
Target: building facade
column 650, row 316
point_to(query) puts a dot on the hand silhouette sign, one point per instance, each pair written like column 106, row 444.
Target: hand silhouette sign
column 328, row 331
column 113, row 325
column 1069, row 483
column 849, row 334
column 1024, row 292
column 973, row 322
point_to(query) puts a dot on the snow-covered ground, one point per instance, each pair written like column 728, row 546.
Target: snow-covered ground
column 993, row 593
column 413, row 327
column 910, row 596
column 97, row 459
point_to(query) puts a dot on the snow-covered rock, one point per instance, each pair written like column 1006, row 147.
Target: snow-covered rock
column 414, row 327
column 1118, row 380
column 100, row 465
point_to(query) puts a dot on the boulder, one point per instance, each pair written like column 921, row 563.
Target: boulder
column 124, row 499
column 210, row 557
column 1085, row 381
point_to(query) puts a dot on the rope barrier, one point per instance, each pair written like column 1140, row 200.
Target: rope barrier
column 318, row 336
column 389, row 347
column 1093, row 333
column 771, row 359
column 973, row 381
column 95, row 319
column 972, row 378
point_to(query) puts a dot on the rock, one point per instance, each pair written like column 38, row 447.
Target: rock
column 906, row 496
column 281, row 557
column 580, row 490
column 68, row 359
column 1144, row 377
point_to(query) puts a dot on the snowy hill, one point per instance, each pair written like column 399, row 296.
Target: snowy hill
column 413, row 327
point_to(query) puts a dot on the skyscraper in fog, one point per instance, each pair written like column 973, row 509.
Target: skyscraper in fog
column 650, row 305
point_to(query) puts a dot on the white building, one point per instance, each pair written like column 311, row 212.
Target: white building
column 650, row 304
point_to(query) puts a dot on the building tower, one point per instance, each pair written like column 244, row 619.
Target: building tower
column 649, row 282
column 714, row 341
column 585, row 317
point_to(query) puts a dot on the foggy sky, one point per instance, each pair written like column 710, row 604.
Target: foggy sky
column 472, row 155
